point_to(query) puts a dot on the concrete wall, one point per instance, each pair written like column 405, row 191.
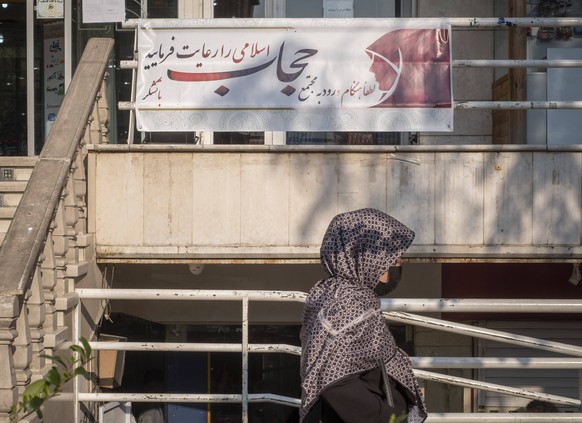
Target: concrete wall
column 486, row 203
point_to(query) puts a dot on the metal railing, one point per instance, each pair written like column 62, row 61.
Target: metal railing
column 394, row 310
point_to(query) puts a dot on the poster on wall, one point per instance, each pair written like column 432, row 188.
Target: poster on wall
column 53, row 72
column 50, row 9
column 102, row 11
column 294, row 75
column 338, row 8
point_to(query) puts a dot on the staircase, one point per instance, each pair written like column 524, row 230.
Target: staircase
column 14, row 174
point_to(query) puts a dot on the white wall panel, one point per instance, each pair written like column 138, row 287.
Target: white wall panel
column 557, row 198
column 264, row 191
column 411, row 193
column 479, row 202
column 459, row 197
column 216, row 205
column 119, row 204
column 313, row 188
column 507, row 209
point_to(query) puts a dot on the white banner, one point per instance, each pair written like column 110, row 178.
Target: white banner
column 294, row 75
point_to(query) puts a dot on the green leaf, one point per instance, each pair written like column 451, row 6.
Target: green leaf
column 53, row 377
column 80, row 371
column 34, row 389
column 87, row 347
column 33, row 404
column 78, row 349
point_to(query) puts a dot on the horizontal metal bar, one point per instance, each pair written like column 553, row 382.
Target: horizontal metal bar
column 126, row 105
column 182, row 398
column 418, row 362
column 461, row 22
column 467, row 63
column 388, row 304
column 517, row 63
column 461, row 305
column 484, row 333
column 496, row 363
column 128, row 64
column 275, row 399
column 160, row 397
column 193, row 347
column 190, row 294
column 492, row 387
column 485, row 105
column 504, row 418
column 518, row 105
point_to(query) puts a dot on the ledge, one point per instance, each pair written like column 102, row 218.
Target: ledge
column 302, row 149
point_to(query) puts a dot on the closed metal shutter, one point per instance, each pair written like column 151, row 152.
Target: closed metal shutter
column 562, row 382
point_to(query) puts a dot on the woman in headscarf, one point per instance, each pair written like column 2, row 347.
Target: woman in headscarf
column 351, row 369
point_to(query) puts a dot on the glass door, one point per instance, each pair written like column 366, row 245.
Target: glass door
column 13, row 82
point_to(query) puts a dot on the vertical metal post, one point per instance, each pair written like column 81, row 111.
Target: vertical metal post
column 68, row 43
column 30, row 78
column 76, row 336
column 131, row 127
column 245, row 360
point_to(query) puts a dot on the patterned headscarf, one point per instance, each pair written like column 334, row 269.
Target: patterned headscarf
column 343, row 330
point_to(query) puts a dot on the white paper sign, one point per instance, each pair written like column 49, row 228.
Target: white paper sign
column 95, row 11
column 49, row 9
column 338, row 9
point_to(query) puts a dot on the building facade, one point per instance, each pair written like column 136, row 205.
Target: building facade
column 496, row 206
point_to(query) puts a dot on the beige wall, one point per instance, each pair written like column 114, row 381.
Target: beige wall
column 205, row 203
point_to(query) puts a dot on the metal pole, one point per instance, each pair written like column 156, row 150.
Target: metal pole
column 484, row 333
column 190, row 294
column 492, row 387
column 518, row 105
column 30, row 128
column 245, row 360
column 194, row 347
column 502, row 418
column 461, row 305
column 76, row 336
column 517, row 63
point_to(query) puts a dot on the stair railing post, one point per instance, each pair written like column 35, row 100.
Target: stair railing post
column 9, row 309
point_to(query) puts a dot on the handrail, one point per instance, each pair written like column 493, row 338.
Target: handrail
column 27, row 233
column 389, row 306
column 44, row 249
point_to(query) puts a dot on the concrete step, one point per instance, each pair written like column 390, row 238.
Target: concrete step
column 15, row 172
column 13, row 168
column 18, row 161
column 7, row 212
column 4, row 224
column 13, row 186
column 10, row 199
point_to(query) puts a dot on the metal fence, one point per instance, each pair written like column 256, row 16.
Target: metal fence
column 397, row 310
